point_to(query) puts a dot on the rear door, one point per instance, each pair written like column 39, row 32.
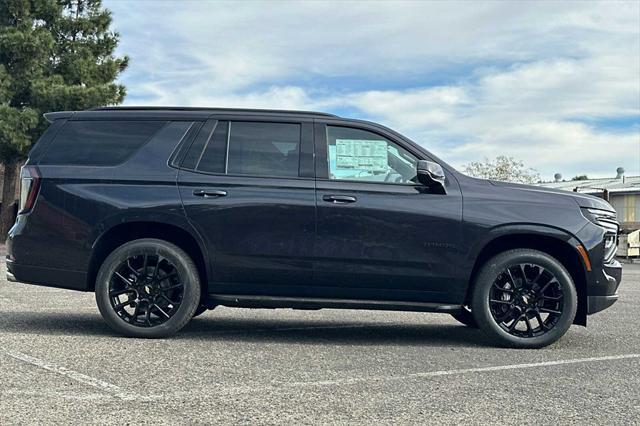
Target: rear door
column 247, row 187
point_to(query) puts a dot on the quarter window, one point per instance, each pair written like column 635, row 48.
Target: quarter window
column 359, row 155
column 99, row 143
column 213, row 158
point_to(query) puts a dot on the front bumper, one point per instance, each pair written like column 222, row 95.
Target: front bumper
column 604, row 292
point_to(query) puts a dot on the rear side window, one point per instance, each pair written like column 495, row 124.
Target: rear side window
column 264, row 149
column 246, row 148
column 99, row 143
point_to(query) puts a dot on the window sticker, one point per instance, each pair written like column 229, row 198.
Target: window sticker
column 363, row 154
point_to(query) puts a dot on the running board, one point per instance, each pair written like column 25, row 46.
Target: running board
column 272, row 302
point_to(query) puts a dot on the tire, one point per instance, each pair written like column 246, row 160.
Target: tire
column 524, row 287
column 201, row 310
column 466, row 317
column 163, row 280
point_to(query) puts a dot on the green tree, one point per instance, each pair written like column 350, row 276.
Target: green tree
column 54, row 55
column 580, row 177
column 502, row 168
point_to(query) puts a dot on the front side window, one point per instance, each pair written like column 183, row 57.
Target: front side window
column 360, row 155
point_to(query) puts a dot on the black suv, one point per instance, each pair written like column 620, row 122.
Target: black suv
column 167, row 212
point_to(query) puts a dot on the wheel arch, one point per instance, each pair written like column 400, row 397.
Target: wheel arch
column 554, row 242
column 121, row 233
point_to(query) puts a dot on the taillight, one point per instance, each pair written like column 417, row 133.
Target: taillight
column 29, row 186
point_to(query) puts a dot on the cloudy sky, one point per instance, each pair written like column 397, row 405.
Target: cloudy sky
column 555, row 84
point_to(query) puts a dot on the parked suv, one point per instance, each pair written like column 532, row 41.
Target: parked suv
column 167, row 212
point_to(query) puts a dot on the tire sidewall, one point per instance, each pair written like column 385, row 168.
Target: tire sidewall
column 484, row 282
column 187, row 272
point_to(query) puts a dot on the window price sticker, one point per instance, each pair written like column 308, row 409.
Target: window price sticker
column 362, row 154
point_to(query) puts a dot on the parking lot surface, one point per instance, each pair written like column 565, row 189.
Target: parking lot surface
column 59, row 363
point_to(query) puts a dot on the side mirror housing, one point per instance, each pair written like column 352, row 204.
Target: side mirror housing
column 431, row 175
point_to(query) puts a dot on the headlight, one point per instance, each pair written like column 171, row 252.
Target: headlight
column 607, row 220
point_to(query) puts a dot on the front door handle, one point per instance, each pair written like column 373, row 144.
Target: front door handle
column 339, row 199
column 209, row 193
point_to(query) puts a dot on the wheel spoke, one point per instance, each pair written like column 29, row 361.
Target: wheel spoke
column 161, row 311
column 126, row 281
column 555, row 298
column 513, row 280
column 136, row 273
column 506, row 290
column 539, row 318
column 116, row 293
column 503, row 302
column 540, row 272
column 550, row 311
column 171, row 287
column 136, row 313
column 144, row 265
column 524, row 275
column 120, row 306
column 147, row 316
column 529, row 328
column 546, row 286
column 169, row 300
column 515, row 323
column 171, row 275
column 507, row 316
column 155, row 271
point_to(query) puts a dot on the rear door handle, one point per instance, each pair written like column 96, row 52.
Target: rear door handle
column 209, row 193
column 339, row 199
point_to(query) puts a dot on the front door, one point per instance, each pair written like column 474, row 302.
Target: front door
column 380, row 233
column 248, row 189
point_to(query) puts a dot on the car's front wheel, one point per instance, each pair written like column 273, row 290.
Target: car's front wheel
column 524, row 298
column 148, row 288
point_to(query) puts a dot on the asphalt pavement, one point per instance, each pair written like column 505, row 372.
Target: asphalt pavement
column 60, row 363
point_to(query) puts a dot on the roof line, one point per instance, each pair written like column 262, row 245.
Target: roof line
column 181, row 108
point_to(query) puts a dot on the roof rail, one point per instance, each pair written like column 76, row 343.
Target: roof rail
column 180, row 108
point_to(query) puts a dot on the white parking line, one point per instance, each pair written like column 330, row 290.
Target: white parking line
column 63, row 371
column 465, row 371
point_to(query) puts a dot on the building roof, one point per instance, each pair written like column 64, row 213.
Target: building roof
column 623, row 184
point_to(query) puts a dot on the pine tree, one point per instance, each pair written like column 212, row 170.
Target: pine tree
column 54, row 55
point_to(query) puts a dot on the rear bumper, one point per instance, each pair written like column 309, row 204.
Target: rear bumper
column 49, row 277
column 604, row 291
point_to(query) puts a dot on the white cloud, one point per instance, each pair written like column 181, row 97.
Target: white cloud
column 535, row 80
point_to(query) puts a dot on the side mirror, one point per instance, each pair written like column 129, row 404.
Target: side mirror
column 430, row 174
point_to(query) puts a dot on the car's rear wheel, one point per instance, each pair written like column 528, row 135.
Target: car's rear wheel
column 524, row 298
column 148, row 288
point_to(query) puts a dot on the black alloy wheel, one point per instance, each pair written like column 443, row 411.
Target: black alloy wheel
column 524, row 298
column 145, row 290
column 148, row 288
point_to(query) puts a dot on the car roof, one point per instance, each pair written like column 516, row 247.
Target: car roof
column 169, row 112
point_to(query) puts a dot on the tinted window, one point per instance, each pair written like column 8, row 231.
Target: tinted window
column 195, row 151
column 214, row 156
column 264, row 149
column 99, row 143
column 359, row 155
